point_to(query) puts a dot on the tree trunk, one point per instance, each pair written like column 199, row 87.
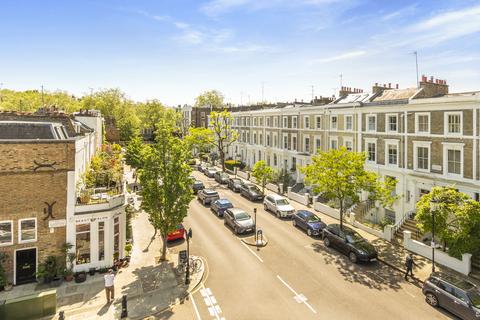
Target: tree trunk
column 341, row 215
column 222, row 159
column 164, row 248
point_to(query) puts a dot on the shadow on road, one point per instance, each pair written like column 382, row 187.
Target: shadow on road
column 365, row 274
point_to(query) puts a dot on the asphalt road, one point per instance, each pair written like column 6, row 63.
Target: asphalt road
column 293, row 277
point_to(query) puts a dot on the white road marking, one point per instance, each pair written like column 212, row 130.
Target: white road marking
column 211, row 302
column 261, row 260
column 300, row 298
column 197, row 314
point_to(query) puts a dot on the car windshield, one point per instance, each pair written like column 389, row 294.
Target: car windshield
column 224, row 175
column 474, row 296
column 254, row 189
column 211, row 193
column 282, row 202
column 313, row 218
column 198, row 183
column 354, row 237
column 225, row 204
column 241, row 216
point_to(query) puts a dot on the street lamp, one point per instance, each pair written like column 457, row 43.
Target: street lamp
column 434, row 206
column 255, row 223
column 187, row 273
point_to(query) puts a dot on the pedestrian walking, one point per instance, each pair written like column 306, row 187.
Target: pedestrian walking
column 409, row 263
column 109, row 288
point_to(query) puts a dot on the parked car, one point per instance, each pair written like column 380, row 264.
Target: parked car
column 177, row 234
column 349, row 242
column 460, row 297
column 309, row 222
column 210, row 172
column 221, row 177
column 219, row 206
column 197, row 186
column 278, row 205
column 239, row 220
column 251, row 191
column 235, row 184
column 207, row 196
column 202, row 167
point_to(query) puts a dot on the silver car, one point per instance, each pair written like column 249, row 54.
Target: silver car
column 239, row 220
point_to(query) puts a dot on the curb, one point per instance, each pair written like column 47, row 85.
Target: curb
column 399, row 269
column 253, row 244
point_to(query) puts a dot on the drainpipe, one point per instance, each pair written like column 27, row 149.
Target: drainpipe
column 405, row 158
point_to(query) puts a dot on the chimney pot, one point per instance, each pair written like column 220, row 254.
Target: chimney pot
column 389, row 84
column 376, row 84
column 396, row 86
column 431, row 78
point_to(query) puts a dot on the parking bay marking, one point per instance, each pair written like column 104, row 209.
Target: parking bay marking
column 213, row 308
column 300, row 298
column 195, row 307
column 256, row 255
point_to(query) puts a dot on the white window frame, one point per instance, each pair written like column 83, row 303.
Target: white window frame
column 306, row 122
column 294, row 147
column 318, row 147
column 374, row 141
column 294, row 122
column 11, row 233
column 392, row 142
column 336, row 123
column 318, row 122
column 285, row 139
column 423, row 144
column 20, row 231
column 285, row 122
column 334, row 138
column 417, row 115
column 305, row 144
column 348, row 139
column 275, row 121
column 445, row 123
column 345, row 122
column 367, row 129
column 387, row 122
column 457, row 147
column 267, row 122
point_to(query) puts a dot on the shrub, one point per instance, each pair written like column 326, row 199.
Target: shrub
column 231, row 164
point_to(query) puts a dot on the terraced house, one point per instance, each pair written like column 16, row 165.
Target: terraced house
column 421, row 137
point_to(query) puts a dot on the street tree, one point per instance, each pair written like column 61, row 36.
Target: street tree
column 212, row 98
column 457, row 219
column 339, row 175
column 262, row 173
column 223, row 133
column 165, row 180
column 134, row 155
column 150, row 113
column 199, row 140
column 282, row 178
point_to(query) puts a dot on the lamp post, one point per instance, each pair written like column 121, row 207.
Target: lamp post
column 187, row 273
column 434, row 206
column 255, row 223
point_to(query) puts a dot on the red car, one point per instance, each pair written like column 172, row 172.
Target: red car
column 177, row 234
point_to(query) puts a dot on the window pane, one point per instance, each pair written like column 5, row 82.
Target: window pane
column 371, row 151
column 392, row 154
column 83, row 243
column 101, row 241
column 422, row 158
column 454, row 161
column 5, row 232
column 27, row 230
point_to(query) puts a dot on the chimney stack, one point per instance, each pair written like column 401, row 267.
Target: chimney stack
column 433, row 87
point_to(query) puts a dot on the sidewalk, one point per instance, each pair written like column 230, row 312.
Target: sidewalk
column 389, row 253
column 151, row 286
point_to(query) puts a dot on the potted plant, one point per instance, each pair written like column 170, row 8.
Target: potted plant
column 69, row 261
column 3, row 276
column 102, row 270
column 91, row 271
column 48, row 271
column 80, row 277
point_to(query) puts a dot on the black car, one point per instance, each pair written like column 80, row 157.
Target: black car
column 197, row 186
column 251, row 192
column 221, row 177
column 349, row 242
column 308, row 221
column 219, row 206
column 458, row 296
column 235, row 184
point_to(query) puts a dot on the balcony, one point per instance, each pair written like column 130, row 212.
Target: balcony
column 102, row 201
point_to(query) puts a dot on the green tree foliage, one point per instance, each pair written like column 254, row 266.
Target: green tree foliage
column 150, row 113
column 165, row 180
column 106, row 168
column 223, row 133
column 199, row 140
column 31, row 100
column 211, row 98
column 262, row 173
column 340, row 176
column 282, row 177
column 457, row 219
column 135, row 150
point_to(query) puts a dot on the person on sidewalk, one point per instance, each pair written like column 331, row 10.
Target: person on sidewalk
column 409, row 263
column 109, row 288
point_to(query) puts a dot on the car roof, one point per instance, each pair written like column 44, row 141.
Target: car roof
column 237, row 210
column 198, row 181
column 305, row 213
column 209, row 191
column 277, row 197
column 223, row 201
column 460, row 283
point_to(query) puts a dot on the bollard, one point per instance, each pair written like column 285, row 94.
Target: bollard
column 61, row 315
column 124, row 307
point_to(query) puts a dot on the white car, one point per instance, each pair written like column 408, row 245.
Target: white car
column 278, row 205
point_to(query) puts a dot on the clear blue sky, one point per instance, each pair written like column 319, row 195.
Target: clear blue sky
column 173, row 50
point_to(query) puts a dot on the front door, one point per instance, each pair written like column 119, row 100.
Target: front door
column 26, row 266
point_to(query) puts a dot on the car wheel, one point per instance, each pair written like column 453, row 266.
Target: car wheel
column 265, row 207
column 204, row 202
column 326, row 242
column 431, row 299
column 235, row 230
column 294, row 223
column 353, row 257
column 309, row 232
column 277, row 214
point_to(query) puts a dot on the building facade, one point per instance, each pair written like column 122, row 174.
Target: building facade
column 421, row 137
